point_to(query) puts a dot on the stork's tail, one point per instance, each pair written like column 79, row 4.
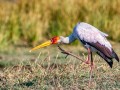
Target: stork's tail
column 108, row 60
column 115, row 55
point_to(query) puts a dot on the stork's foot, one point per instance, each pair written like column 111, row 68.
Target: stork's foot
column 87, row 61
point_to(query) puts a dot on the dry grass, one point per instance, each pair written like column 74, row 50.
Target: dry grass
column 51, row 71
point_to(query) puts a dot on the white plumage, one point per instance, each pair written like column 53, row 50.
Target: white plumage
column 90, row 34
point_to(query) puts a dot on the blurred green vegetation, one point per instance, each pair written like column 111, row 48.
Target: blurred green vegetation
column 32, row 21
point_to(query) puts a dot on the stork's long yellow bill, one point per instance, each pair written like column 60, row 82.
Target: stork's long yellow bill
column 41, row 45
column 53, row 40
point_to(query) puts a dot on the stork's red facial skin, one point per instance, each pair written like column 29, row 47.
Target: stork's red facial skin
column 55, row 39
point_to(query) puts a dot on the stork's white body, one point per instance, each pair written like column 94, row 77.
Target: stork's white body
column 92, row 39
column 88, row 33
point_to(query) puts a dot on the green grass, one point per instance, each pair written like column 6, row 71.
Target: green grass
column 30, row 22
column 48, row 69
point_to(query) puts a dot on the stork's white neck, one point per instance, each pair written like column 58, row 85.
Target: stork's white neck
column 67, row 40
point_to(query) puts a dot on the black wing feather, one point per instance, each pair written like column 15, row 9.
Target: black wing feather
column 103, row 49
column 115, row 55
column 109, row 61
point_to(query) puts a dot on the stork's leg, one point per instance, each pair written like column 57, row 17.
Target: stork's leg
column 91, row 69
column 88, row 58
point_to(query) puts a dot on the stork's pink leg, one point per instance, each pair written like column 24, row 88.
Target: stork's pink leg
column 88, row 58
column 91, row 69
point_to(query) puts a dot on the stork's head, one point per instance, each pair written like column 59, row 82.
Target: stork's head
column 54, row 40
